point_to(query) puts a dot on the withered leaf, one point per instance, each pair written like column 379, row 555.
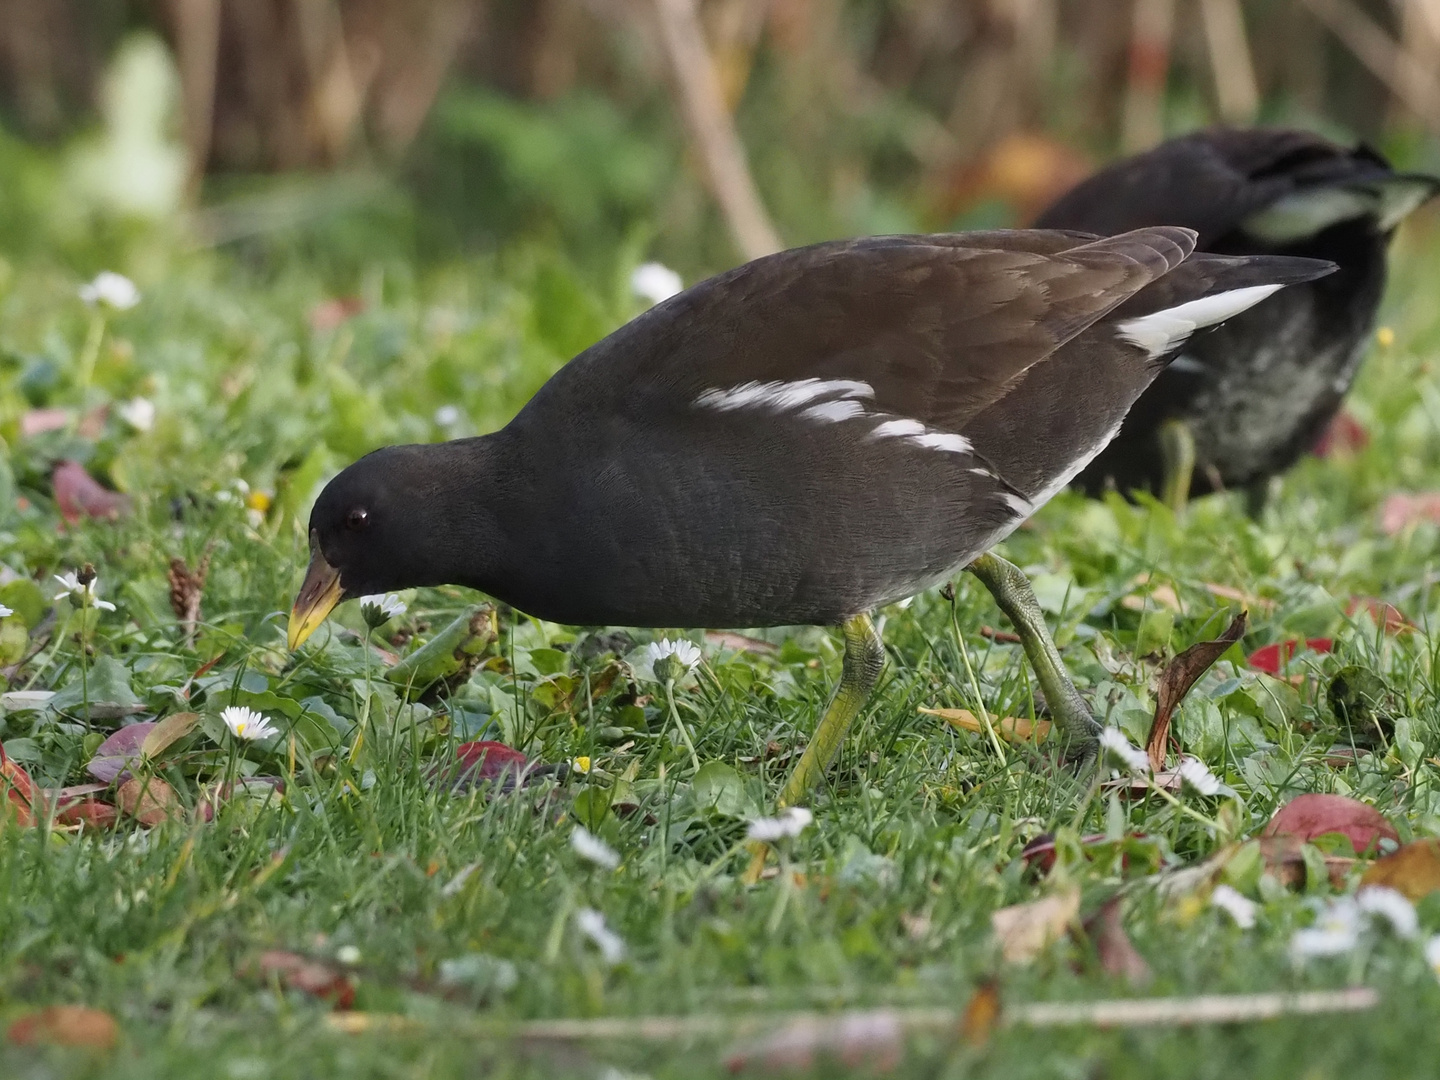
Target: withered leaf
column 1177, row 679
column 66, row 1025
column 1413, row 870
column 1026, row 930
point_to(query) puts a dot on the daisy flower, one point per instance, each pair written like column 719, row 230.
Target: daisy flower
column 789, row 822
column 592, row 924
column 671, row 659
column 1235, row 904
column 1122, row 752
column 1432, row 954
column 377, row 609
column 245, row 723
column 5, row 612
column 1383, row 902
column 1196, row 775
column 138, row 412
column 82, row 593
column 592, row 849
column 113, row 290
column 1336, row 931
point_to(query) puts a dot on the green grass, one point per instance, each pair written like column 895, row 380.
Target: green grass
column 917, row 836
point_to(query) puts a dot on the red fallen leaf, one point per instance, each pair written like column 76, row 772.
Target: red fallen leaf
column 66, row 1025
column 1344, row 435
column 95, row 813
column 1306, row 817
column 1402, row 510
column 115, row 755
column 1384, row 615
column 78, row 494
column 490, row 763
column 1271, row 658
column 871, row 1039
column 328, row 314
column 39, row 421
column 149, row 801
column 19, row 789
column 1118, row 956
column 296, row 972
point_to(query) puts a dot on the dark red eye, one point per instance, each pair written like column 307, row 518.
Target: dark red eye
column 357, row 518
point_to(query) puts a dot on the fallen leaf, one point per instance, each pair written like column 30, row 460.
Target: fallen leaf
column 478, row 764
column 1162, row 594
column 149, row 800
column 328, row 314
column 873, row 1040
column 296, row 972
column 1240, row 596
column 1009, row 728
column 1271, row 658
column 168, row 731
column 78, row 494
column 1026, row 930
column 1413, row 870
column 1177, row 679
column 1284, row 858
column 39, row 421
column 115, row 757
column 1312, row 815
column 1004, row 637
column 982, row 1013
column 66, row 1025
column 19, row 789
column 1118, row 956
column 1401, row 510
column 1343, row 435
column 95, row 813
column 1386, row 616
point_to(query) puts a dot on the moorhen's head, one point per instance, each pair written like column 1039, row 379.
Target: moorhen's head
column 372, row 530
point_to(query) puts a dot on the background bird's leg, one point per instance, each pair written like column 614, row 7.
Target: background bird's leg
column 1012, row 592
column 859, row 672
column 1257, row 494
column 1177, row 457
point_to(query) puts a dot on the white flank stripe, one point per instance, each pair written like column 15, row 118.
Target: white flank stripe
column 942, row 440
column 1022, row 506
column 832, row 411
column 780, row 396
column 1025, row 507
column 1164, row 331
column 893, row 429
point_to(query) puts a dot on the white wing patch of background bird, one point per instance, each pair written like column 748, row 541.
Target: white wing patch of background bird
column 1161, row 332
column 830, row 401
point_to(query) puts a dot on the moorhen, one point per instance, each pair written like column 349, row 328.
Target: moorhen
column 1243, row 403
column 803, row 439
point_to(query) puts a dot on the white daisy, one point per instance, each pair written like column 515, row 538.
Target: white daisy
column 112, row 290
column 82, row 594
column 1381, row 901
column 138, row 412
column 1235, row 904
column 379, row 608
column 591, row 848
column 447, row 416
column 1122, row 752
column 5, row 612
column 791, row 821
column 1432, row 954
column 671, row 659
column 655, row 282
column 245, row 723
column 1336, row 931
column 592, row 924
column 1196, row 775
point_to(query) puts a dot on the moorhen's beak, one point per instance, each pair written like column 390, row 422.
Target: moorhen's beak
column 318, row 595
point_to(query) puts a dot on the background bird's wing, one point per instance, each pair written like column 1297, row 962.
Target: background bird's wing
column 936, row 327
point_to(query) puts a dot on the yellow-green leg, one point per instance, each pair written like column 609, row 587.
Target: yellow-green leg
column 1017, row 600
column 859, row 672
column 1177, row 457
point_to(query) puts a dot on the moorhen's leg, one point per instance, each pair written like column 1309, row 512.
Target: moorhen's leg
column 1017, row 600
column 859, row 672
column 1177, row 457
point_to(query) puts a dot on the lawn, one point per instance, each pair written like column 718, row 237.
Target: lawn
column 436, row 917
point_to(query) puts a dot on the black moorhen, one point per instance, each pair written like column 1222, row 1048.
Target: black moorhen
column 800, row 440
column 1242, row 403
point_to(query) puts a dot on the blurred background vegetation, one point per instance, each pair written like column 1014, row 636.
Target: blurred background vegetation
column 606, row 129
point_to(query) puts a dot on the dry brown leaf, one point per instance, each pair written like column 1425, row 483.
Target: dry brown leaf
column 1413, row 870
column 1009, row 728
column 1240, row 596
column 1285, row 860
column 66, row 1025
column 149, row 800
column 1118, row 956
column 78, row 494
column 296, row 972
column 726, row 639
column 1026, row 930
column 1177, row 679
column 1162, row 594
column 982, row 1013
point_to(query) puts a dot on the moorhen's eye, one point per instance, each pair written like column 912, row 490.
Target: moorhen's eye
column 357, row 518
